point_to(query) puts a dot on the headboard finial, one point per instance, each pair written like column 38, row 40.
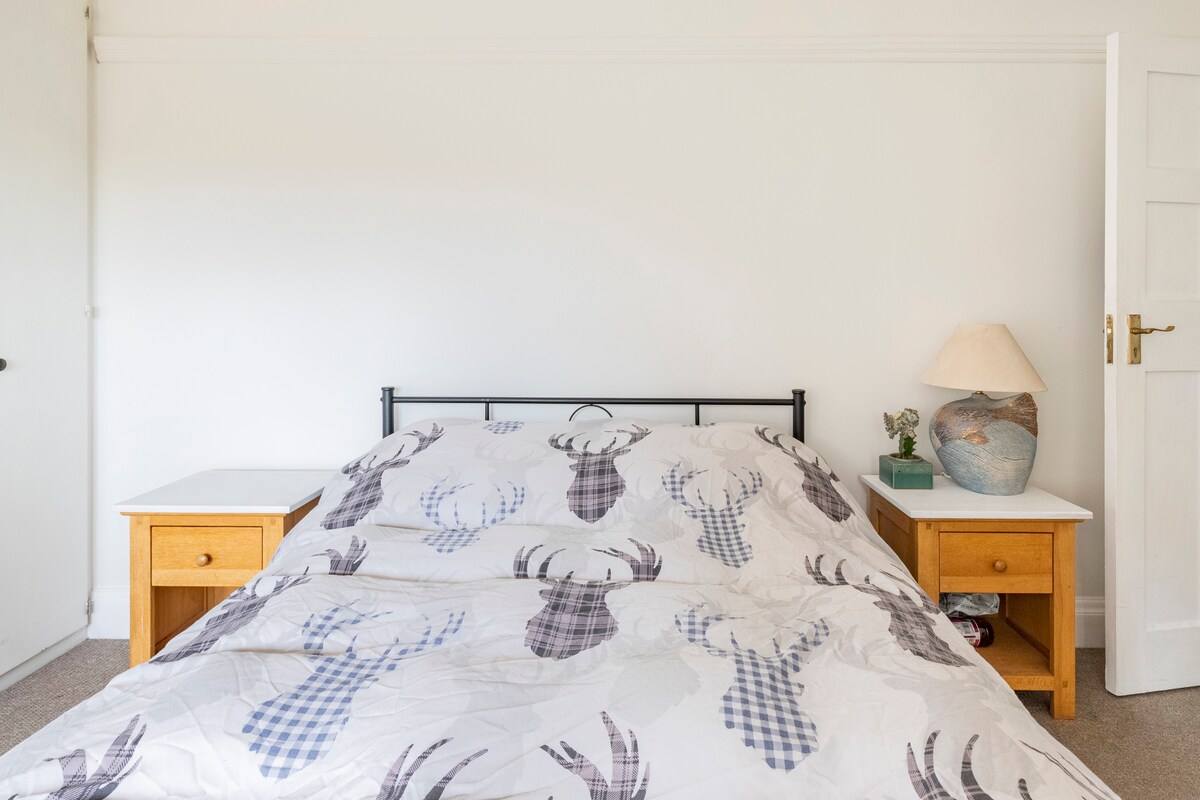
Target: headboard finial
column 798, row 414
column 386, row 399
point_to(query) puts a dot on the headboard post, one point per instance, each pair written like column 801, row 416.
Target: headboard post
column 798, row 414
column 389, row 414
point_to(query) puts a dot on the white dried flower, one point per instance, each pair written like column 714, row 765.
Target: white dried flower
column 903, row 423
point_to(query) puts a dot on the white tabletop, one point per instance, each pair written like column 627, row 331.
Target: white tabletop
column 948, row 500
column 232, row 491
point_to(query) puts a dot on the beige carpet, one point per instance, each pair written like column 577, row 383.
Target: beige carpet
column 28, row 705
column 1144, row 747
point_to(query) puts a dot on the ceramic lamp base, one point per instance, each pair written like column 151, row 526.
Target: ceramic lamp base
column 987, row 445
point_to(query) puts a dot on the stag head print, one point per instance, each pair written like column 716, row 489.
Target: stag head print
column 349, row 563
column 366, row 492
column 319, row 627
column 818, row 484
column 597, row 485
column 763, row 702
column 395, row 784
column 501, row 427
column 722, row 525
column 464, row 528
column 576, row 616
column 238, row 611
column 912, row 613
column 299, row 726
column 112, row 769
column 928, row 785
column 626, row 761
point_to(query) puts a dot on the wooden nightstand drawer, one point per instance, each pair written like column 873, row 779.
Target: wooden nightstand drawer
column 204, row 556
column 997, row 562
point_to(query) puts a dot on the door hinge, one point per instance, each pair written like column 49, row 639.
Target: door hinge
column 88, row 607
column 87, row 12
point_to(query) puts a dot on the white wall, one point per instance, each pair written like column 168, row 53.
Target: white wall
column 276, row 241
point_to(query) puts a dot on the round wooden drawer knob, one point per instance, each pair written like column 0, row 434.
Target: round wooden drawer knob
column 1000, row 565
column 204, row 559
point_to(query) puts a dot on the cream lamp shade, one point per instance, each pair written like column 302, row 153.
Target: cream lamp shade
column 982, row 357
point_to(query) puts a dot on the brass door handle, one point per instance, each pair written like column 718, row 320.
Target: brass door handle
column 1136, row 331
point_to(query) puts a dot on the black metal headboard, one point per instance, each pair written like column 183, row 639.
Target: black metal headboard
column 796, row 401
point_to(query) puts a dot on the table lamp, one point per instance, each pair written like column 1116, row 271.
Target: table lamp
column 985, row 445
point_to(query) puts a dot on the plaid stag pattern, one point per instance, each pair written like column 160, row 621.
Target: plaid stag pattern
column 239, row 610
column 78, row 784
column 763, row 702
column 576, row 616
column 608, row 609
column 928, row 785
column 597, row 485
column 722, row 525
column 348, row 564
column 463, row 528
column 295, row 728
column 625, row 783
column 396, row 782
column 818, row 484
column 911, row 614
column 501, row 427
column 367, row 479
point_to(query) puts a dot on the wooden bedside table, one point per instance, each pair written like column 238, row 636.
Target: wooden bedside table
column 1021, row 546
column 192, row 542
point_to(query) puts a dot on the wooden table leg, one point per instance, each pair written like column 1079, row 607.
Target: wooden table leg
column 1062, row 651
column 141, row 621
column 928, row 543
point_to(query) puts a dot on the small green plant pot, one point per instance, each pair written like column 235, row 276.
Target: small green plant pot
column 906, row 473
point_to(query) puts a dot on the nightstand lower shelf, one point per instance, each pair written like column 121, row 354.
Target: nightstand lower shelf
column 176, row 608
column 1016, row 659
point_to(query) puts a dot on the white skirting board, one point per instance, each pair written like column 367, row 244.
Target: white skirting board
column 110, row 613
column 1089, row 621
column 110, row 617
column 43, row 658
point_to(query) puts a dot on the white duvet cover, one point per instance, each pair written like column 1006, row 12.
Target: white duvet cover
column 615, row 611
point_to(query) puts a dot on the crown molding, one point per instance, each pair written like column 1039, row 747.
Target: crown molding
column 575, row 50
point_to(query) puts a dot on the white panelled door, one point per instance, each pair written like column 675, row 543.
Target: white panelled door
column 43, row 331
column 1152, row 409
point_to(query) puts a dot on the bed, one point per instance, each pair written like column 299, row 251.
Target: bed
column 613, row 609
